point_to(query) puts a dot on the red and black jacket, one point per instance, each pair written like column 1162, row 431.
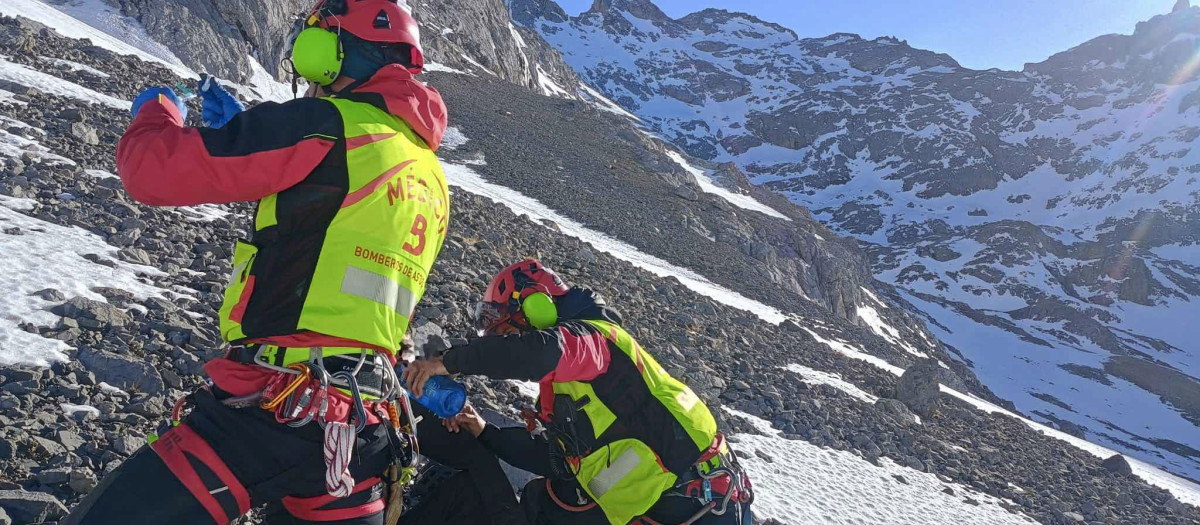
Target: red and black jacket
column 575, row 350
column 295, row 150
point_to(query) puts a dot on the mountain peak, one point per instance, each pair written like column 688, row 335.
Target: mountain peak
column 1181, row 5
column 710, row 16
column 525, row 12
column 644, row 9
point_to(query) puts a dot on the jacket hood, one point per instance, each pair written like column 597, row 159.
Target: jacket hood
column 582, row 304
column 402, row 95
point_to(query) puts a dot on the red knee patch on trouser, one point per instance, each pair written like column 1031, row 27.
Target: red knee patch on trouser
column 311, row 509
column 181, row 449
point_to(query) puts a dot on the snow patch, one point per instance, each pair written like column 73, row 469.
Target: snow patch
column 112, row 389
column 871, row 316
column 40, row 255
column 100, row 174
column 75, row 66
column 548, row 85
column 605, row 104
column 204, row 212
column 872, row 296
column 466, row 178
column 70, row 410
column 478, row 65
column 528, row 389
column 706, row 183
column 53, row 85
column 264, row 86
column 818, row 377
column 15, row 146
column 454, row 138
column 434, row 67
column 804, row 483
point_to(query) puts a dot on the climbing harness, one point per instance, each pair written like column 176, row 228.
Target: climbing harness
column 717, row 481
column 302, row 392
column 716, row 471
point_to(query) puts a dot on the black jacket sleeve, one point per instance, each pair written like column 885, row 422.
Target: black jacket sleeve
column 528, row 356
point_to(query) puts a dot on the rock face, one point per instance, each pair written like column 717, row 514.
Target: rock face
column 221, row 37
column 918, row 387
column 1018, row 210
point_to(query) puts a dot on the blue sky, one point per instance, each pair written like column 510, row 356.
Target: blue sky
column 978, row 33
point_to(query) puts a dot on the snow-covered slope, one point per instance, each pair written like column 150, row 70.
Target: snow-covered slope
column 100, row 23
column 1044, row 221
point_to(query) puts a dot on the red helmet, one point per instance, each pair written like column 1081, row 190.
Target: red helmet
column 500, row 310
column 382, row 21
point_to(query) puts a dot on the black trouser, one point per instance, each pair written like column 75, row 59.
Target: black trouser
column 270, row 460
column 479, row 494
column 454, row 503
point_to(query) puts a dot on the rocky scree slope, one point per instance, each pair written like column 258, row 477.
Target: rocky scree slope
column 1045, row 221
column 63, row 426
column 223, row 36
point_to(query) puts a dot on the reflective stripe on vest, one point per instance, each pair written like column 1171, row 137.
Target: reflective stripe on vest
column 614, row 473
column 375, row 253
column 380, row 289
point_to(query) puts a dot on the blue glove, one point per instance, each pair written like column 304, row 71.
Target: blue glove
column 152, row 94
column 219, row 106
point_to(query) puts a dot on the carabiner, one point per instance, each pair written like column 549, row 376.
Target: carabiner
column 302, row 378
column 360, row 409
column 320, row 394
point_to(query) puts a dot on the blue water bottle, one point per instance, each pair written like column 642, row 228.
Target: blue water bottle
column 443, row 396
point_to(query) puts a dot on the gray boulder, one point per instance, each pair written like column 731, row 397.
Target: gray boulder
column 82, row 481
column 101, row 312
column 1117, row 463
column 31, row 507
column 895, row 410
column 122, row 371
column 85, row 133
column 918, row 388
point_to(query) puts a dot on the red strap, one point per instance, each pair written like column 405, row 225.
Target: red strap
column 309, row 509
column 238, row 313
column 714, row 450
column 174, row 447
column 720, row 485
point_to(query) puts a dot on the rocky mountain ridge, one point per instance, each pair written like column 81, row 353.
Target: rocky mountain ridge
column 232, row 39
column 1045, row 221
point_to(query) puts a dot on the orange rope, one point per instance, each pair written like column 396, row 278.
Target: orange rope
column 393, row 414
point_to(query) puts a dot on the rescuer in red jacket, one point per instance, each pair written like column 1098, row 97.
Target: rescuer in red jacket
column 304, row 413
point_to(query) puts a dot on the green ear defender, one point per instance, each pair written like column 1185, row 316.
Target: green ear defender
column 540, row 311
column 317, row 55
